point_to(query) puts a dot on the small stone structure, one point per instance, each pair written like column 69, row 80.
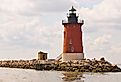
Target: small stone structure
column 42, row 55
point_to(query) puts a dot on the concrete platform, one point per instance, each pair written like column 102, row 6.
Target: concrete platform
column 72, row 56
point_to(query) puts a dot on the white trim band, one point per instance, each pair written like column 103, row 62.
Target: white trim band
column 72, row 56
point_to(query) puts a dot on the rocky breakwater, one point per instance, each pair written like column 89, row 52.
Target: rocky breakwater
column 85, row 65
column 24, row 64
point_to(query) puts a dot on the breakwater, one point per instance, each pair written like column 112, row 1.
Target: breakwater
column 85, row 65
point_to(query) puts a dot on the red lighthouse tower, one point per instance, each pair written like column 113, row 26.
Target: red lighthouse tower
column 72, row 47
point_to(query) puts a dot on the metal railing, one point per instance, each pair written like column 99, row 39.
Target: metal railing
column 59, row 57
column 79, row 21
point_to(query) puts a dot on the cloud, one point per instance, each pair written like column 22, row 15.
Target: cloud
column 102, row 40
column 115, row 49
column 102, row 29
column 88, row 3
column 53, row 6
column 103, row 12
column 34, row 8
column 20, row 33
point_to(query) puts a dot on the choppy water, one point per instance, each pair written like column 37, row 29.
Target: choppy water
column 23, row 75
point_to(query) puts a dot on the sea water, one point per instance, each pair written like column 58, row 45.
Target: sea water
column 27, row 75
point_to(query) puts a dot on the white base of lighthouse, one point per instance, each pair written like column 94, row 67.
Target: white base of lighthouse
column 72, row 56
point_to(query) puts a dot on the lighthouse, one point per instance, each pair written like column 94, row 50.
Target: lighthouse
column 72, row 44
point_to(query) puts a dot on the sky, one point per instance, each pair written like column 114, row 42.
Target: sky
column 30, row 26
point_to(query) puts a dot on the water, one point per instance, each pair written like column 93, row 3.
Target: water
column 26, row 75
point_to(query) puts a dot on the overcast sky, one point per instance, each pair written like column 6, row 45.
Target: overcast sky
column 29, row 26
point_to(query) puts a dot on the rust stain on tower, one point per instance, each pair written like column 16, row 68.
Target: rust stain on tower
column 73, row 45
